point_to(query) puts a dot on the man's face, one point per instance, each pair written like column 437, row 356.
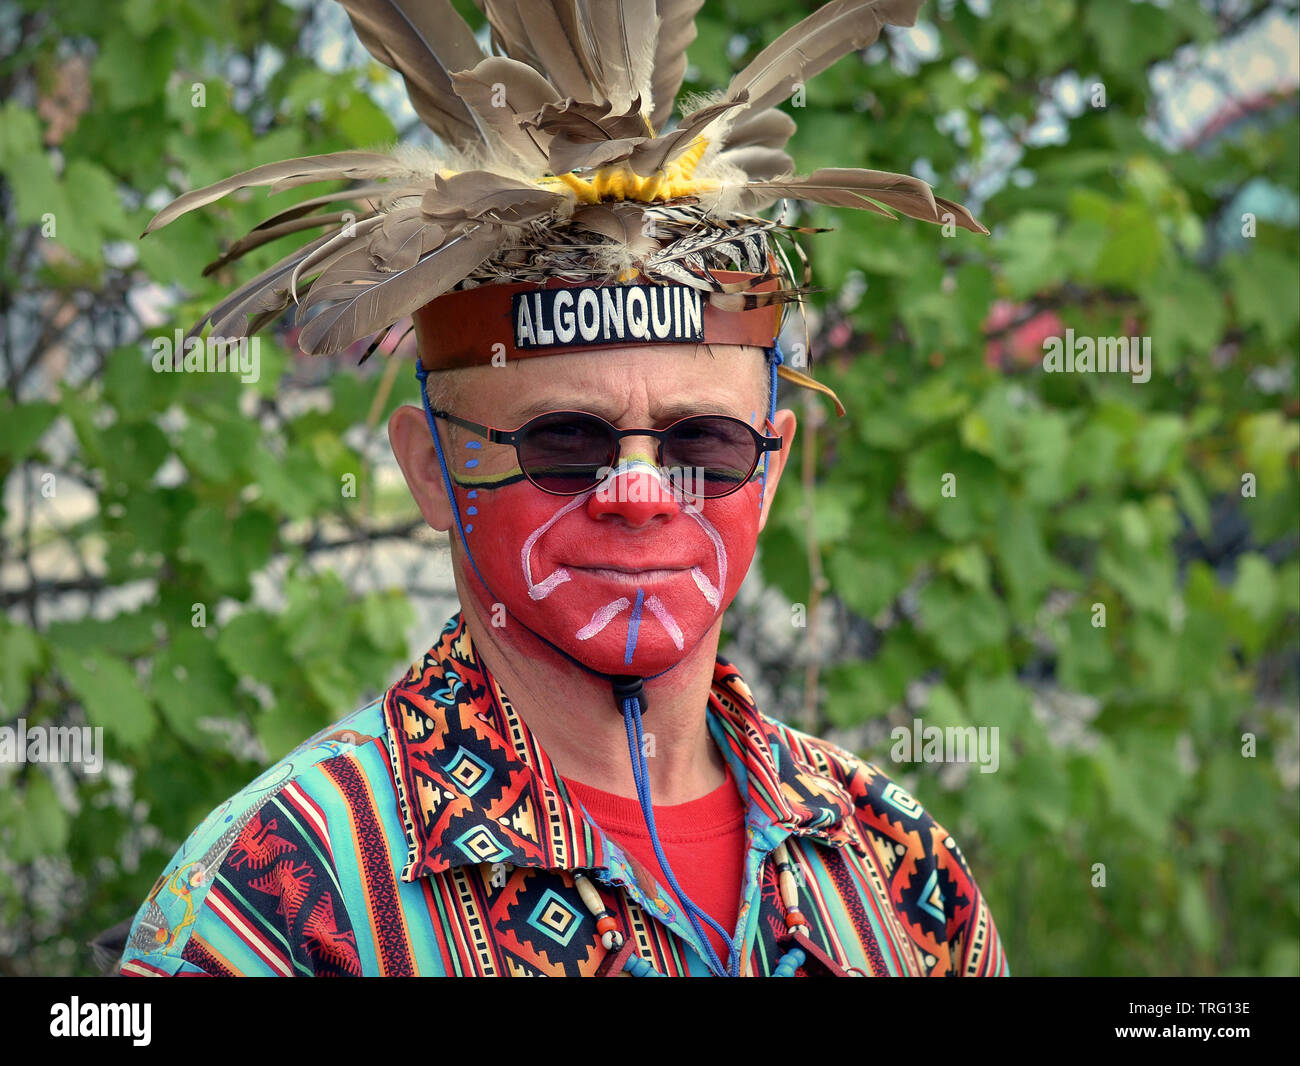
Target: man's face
column 628, row 577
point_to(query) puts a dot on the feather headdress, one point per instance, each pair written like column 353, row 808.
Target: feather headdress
column 559, row 162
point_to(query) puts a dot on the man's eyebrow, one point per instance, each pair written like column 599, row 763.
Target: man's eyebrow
column 665, row 413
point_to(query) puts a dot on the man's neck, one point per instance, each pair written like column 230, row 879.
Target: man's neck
column 573, row 716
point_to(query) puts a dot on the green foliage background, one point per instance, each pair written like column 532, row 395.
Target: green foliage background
column 1072, row 490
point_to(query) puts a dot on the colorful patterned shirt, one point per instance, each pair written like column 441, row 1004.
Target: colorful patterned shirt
column 429, row 834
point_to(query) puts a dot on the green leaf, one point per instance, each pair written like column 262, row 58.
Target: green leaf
column 42, row 826
column 386, row 618
column 23, row 426
column 112, row 695
column 24, row 657
column 251, row 645
column 1255, row 589
column 190, row 683
column 961, row 621
column 229, row 552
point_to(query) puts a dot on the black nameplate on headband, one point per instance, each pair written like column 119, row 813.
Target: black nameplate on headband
column 622, row 314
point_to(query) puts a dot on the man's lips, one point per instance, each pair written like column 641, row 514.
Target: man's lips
column 631, row 575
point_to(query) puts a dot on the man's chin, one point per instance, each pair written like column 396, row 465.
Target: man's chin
column 646, row 647
column 653, row 653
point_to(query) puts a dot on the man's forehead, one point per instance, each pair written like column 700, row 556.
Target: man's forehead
column 670, row 381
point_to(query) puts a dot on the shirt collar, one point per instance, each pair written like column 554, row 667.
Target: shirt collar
column 474, row 786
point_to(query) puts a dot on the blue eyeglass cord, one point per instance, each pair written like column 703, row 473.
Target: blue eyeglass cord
column 774, row 358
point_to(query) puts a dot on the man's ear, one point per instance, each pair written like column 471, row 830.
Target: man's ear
column 408, row 433
column 784, row 421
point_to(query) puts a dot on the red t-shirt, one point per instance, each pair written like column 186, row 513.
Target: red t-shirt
column 703, row 839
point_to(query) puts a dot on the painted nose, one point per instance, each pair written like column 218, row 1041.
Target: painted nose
column 637, row 495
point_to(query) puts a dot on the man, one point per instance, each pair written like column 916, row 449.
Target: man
column 570, row 781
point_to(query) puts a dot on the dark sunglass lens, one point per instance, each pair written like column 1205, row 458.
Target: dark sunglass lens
column 565, row 452
column 709, row 455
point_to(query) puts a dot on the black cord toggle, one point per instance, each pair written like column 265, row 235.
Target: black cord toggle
column 628, row 687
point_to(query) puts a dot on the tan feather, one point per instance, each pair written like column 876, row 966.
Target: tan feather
column 403, row 237
column 961, row 216
column 265, row 234
column 768, row 128
column 847, row 187
column 623, row 224
column 617, row 48
column 676, row 32
column 383, row 302
column 523, row 92
column 758, row 164
column 340, row 243
column 654, row 154
column 812, row 45
column 375, row 195
column 481, row 194
column 542, row 33
column 424, row 41
column 261, row 294
column 334, row 165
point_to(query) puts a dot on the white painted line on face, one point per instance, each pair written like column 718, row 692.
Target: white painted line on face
column 656, row 608
column 707, row 589
column 540, row 590
column 603, row 617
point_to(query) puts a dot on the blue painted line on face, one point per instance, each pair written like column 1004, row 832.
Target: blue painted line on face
column 472, row 494
column 471, row 463
column 473, row 444
column 633, row 626
column 471, row 510
column 469, row 529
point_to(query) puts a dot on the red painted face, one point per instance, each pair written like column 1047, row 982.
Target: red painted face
column 625, row 578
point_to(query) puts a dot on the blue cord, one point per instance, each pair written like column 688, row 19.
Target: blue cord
column 774, row 358
column 641, row 775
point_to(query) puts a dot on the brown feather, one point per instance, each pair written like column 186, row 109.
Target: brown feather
column 654, row 154
column 676, row 32
column 482, row 195
column 402, row 238
column 525, row 93
column 424, row 41
column 569, row 155
column 759, row 164
column 847, row 187
column 341, row 242
column 379, row 194
column 397, row 295
column 768, row 128
column 265, row 293
column 333, row 165
column 584, row 121
column 616, row 47
column 812, row 45
column 542, row 34
column 265, row 234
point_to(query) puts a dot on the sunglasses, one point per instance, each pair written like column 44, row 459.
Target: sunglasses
column 569, row 452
